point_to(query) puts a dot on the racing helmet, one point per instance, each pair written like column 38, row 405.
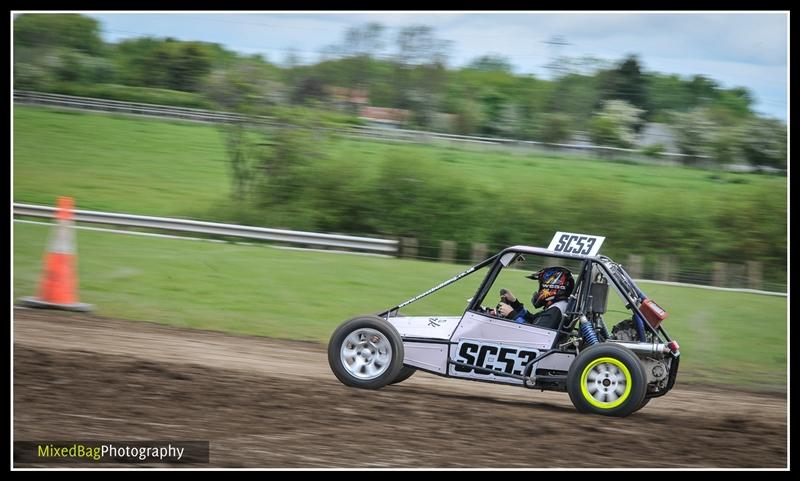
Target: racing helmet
column 555, row 284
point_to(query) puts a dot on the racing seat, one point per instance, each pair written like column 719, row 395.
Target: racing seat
column 568, row 321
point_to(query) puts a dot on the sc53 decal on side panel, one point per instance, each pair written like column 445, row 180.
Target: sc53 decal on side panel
column 491, row 357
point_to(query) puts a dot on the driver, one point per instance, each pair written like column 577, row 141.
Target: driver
column 555, row 286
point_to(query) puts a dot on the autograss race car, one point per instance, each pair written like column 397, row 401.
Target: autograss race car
column 612, row 373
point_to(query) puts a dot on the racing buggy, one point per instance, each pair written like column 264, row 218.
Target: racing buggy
column 613, row 373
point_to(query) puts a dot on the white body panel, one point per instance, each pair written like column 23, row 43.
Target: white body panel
column 556, row 362
column 426, row 355
column 426, row 327
column 476, row 339
column 484, row 328
column 497, row 345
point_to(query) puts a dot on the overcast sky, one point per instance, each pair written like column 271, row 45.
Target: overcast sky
column 736, row 49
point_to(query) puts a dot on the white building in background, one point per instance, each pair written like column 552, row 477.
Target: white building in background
column 653, row 134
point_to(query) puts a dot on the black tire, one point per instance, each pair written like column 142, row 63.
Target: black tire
column 614, row 357
column 405, row 373
column 343, row 372
column 644, row 403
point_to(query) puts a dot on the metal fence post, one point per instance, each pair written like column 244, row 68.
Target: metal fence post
column 737, row 274
column 634, row 267
column 447, row 252
column 754, row 274
column 720, row 276
column 478, row 252
column 408, row 247
column 666, row 266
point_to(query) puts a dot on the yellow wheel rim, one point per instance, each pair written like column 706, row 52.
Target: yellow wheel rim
column 606, row 383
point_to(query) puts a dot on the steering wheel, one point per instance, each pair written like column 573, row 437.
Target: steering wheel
column 496, row 311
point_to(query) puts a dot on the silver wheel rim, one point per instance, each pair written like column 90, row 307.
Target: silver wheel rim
column 366, row 354
column 606, row 382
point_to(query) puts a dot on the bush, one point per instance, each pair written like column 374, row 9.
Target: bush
column 30, row 77
column 614, row 125
column 555, row 128
column 654, row 151
column 316, row 115
column 426, row 201
column 130, row 94
column 763, row 142
column 468, row 118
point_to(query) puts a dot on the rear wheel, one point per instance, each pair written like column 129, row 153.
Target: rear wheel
column 366, row 352
column 607, row 379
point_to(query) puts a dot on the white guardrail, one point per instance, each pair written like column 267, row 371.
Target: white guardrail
column 383, row 246
column 200, row 115
column 216, row 229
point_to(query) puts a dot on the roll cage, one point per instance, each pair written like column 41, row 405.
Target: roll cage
column 579, row 302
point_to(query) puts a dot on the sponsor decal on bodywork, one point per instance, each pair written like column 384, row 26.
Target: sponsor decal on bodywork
column 493, row 357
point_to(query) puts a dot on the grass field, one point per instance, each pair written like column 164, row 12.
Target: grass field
column 114, row 163
column 175, row 168
column 725, row 337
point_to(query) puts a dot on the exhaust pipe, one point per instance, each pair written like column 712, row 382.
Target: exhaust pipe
column 645, row 348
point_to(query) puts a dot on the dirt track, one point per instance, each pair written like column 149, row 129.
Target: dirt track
column 268, row 403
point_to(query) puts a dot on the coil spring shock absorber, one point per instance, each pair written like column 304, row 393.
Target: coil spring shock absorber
column 589, row 336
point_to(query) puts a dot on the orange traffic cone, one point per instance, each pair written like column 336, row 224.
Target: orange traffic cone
column 59, row 285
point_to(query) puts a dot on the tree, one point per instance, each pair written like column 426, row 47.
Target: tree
column 29, row 76
column 241, row 89
column 169, row 63
column 738, row 101
column 74, row 66
column 626, row 82
column 494, row 106
column 365, row 40
column 468, row 117
column 360, row 45
column 491, row 63
column 190, row 64
column 702, row 89
column 308, row 87
column 239, row 146
column 554, row 128
column 296, row 140
column 764, row 142
column 694, row 132
column 71, row 31
column 757, row 141
column 614, row 124
column 420, row 71
column 418, row 45
column 575, row 95
column 176, row 65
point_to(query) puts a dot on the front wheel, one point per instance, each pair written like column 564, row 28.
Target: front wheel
column 607, row 379
column 366, row 352
column 405, row 373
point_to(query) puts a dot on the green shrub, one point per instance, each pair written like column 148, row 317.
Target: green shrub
column 127, row 93
column 655, row 151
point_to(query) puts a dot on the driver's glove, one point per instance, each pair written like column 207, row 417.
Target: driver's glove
column 505, row 310
column 507, row 296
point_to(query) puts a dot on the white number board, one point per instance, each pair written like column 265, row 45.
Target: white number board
column 571, row 243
